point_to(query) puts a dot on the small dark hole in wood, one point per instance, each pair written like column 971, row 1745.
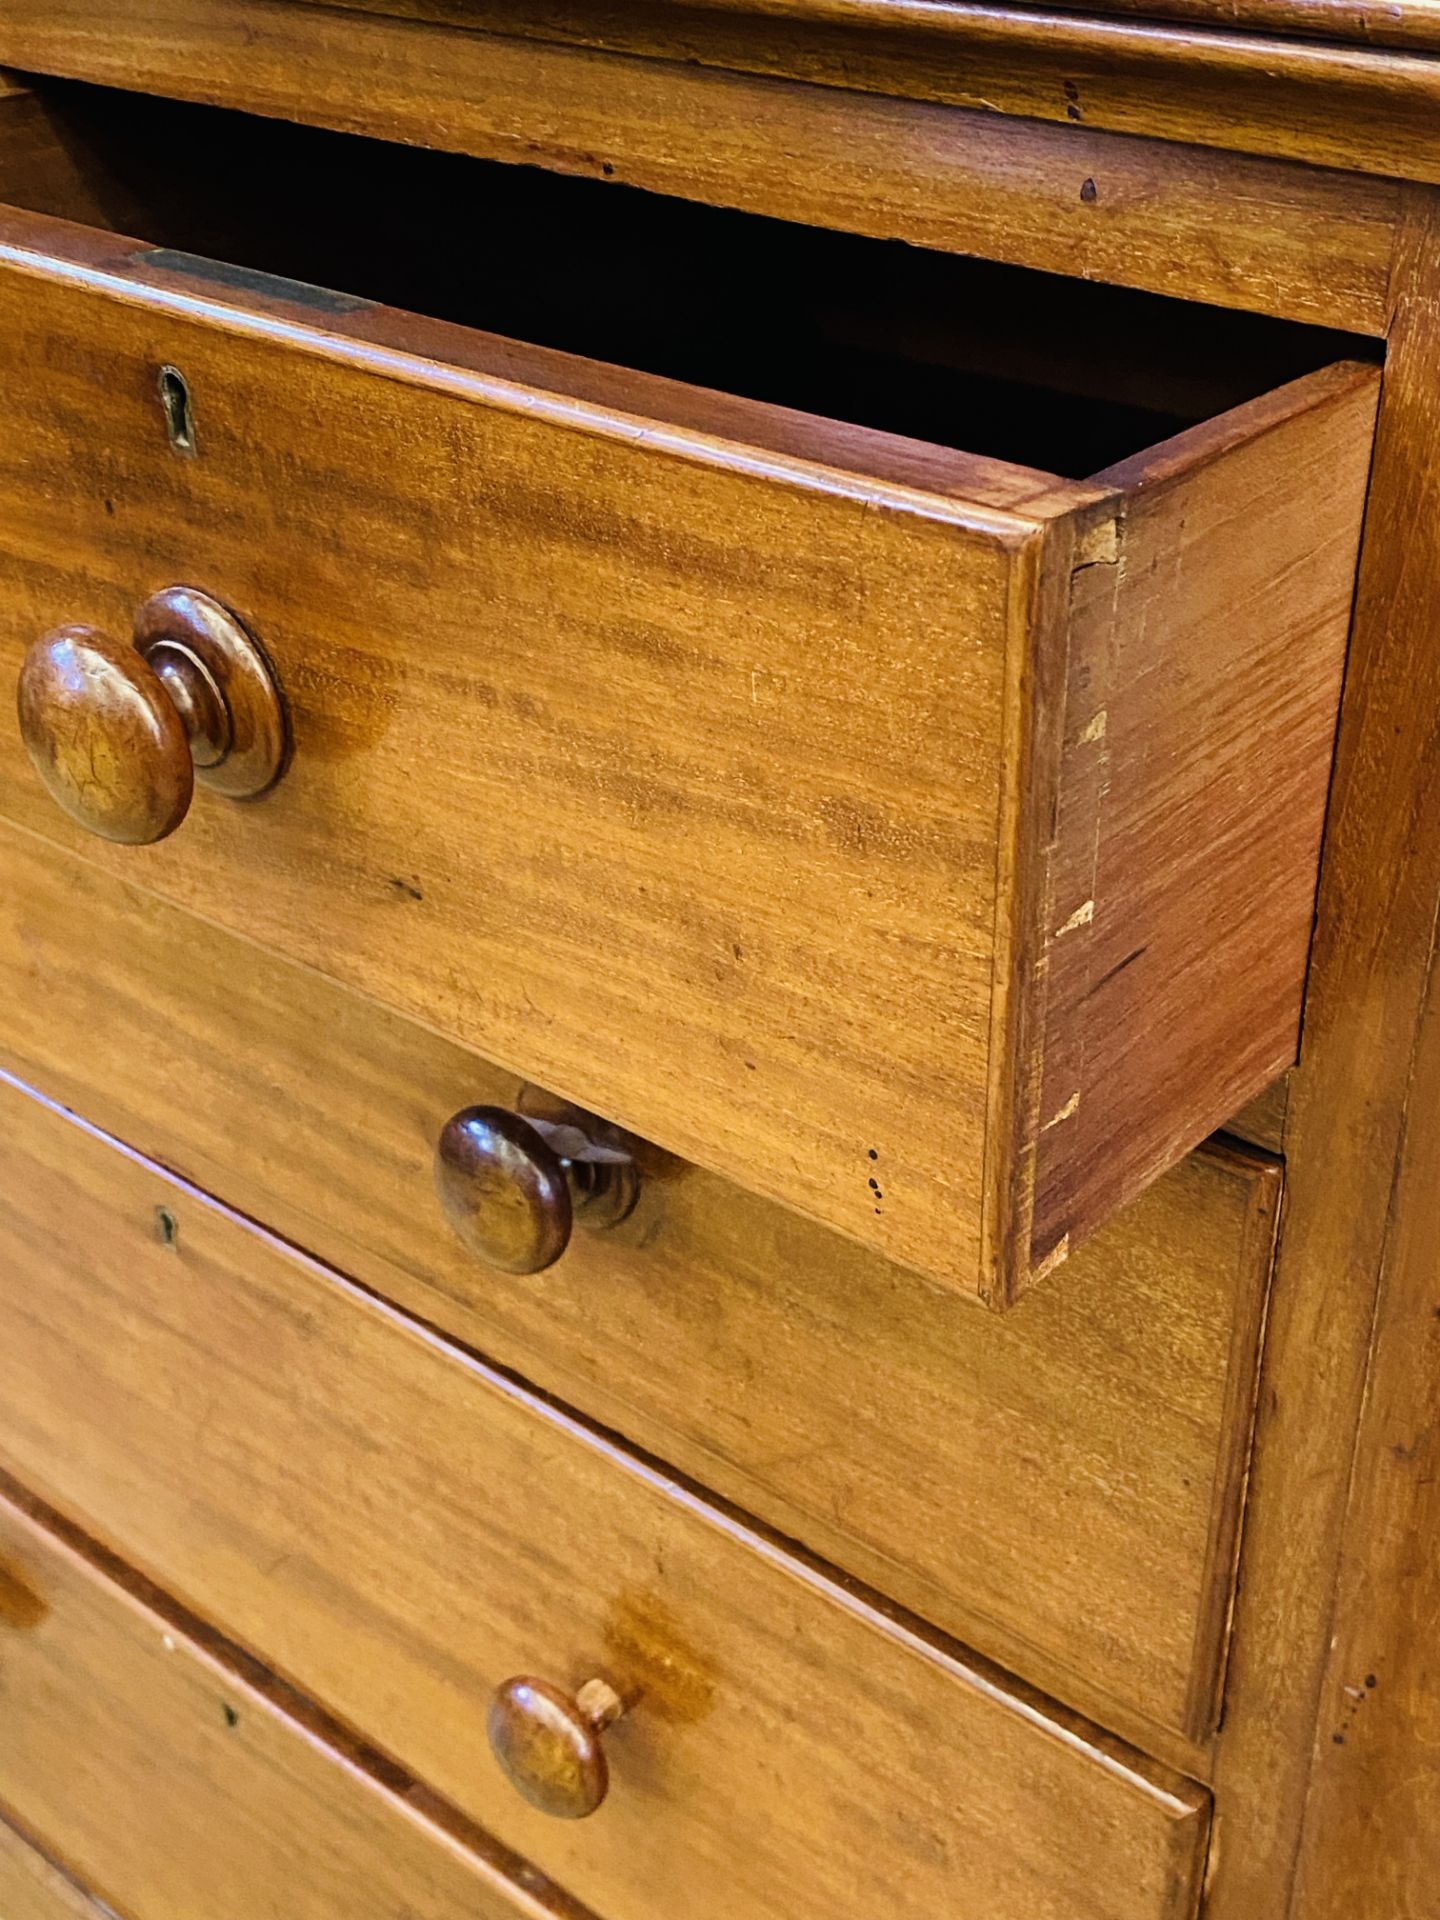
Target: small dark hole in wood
column 179, row 414
column 167, row 1227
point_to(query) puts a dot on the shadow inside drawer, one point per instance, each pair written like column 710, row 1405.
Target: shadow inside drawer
column 1037, row 369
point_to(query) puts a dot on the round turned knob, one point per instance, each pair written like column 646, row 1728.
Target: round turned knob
column 513, row 1186
column 120, row 731
column 548, row 1744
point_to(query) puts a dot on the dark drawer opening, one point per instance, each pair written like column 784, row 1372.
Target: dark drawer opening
column 1047, row 372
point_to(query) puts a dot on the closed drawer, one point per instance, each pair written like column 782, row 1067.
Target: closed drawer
column 397, row 1531
column 175, row 1786
column 32, row 1888
column 1061, row 1485
column 916, row 836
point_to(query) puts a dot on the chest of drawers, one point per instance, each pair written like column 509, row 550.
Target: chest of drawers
column 725, row 683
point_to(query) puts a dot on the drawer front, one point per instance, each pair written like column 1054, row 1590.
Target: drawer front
column 591, row 734
column 926, row 843
column 31, row 1888
column 398, row 1531
column 1060, row 1486
column 175, row 1787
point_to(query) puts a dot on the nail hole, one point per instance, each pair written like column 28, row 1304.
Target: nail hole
column 179, row 414
column 167, row 1227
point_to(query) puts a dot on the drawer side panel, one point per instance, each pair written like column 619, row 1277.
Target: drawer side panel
column 1212, row 696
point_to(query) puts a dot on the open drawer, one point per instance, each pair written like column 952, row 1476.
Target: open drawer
column 914, row 834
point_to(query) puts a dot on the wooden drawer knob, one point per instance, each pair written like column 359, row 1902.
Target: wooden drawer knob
column 548, row 1743
column 120, row 731
column 513, row 1186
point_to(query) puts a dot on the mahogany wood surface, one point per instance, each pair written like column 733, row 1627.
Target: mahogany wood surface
column 665, row 799
column 1369, row 1832
column 1365, row 1222
column 1298, row 240
column 1368, row 23
column 840, row 118
column 1351, row 1110
column 1213, row 782
column 1372, row 109
column 33, row 1888
column 175, row 1779
column 1060, row 1487
column 1369, row 1839
column 399, row 1530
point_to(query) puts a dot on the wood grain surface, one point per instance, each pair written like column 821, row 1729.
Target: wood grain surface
column 596, row 727
column 1370, row 1838
column 685, row 751
column 176, row 1780
column 1368, row 23
column 1262, row 1120
column 1370, row 108
column 1206, row 714
column 32, row 1888
column 1346, row 1595
column 1349, row 1112
column 1299, row 240
column 1091, row 1444
column 397, row 1530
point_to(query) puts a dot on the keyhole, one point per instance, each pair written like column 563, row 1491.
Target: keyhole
column 179, row 416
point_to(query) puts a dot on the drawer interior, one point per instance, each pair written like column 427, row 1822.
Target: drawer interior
column 1060, row 375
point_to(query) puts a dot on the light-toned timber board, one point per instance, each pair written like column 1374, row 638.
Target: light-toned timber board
column 850, row 734
column 1238, row 549
column 1370, row 109
column 178, row 1783
column 1355, row 1209
column 32, row 1888
column 1065, row 1499
column 723, row 735
column 1360, row 1235
column 1366, row 23
column 394, row 1528
column 1297, row 240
